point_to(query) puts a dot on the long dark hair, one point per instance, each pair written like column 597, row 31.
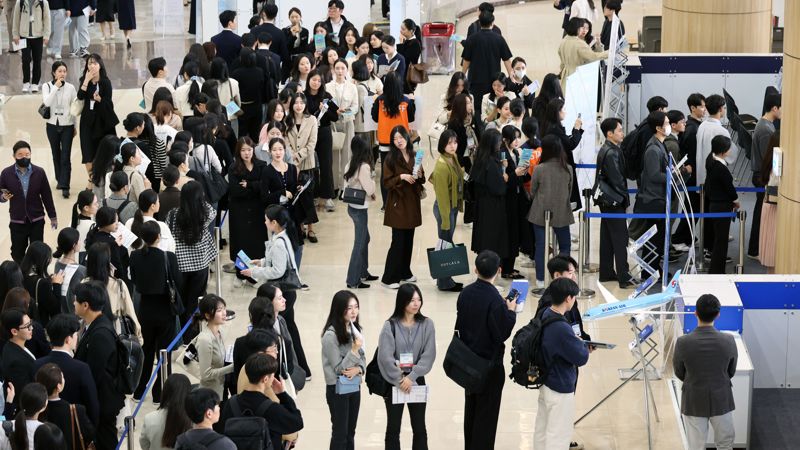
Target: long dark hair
column 550, row 89
column 201, row 58
column 272, row 106
column 405, row 293
column 336, row 316
column 458, row 111
column 32, row 400
column 192, row 69
column 509, row 134
column 361, row 154
column 450, row 94
column 96, row 58
column 394, row 156
column 10, row 278
column 552, row 149
column 98, row 262
column 36, row 260
column 392, row 94
column 191, row 215
column 238, row 168
column 67, row 238
column 551, row 116
column 488, row 147
column 219, row 70
column 148, row 135
column 161, row 94
column 48, row 436
column 260, row 310
column 103, row 160
column 281, row 215
column 321, row 92
column 173, row 396
column 294, row 74
column 85, row 198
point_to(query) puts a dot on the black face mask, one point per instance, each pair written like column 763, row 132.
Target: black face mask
column 23, row 163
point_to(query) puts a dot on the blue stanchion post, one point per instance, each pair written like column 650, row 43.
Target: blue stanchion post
column 700, row 262
column 665, row 262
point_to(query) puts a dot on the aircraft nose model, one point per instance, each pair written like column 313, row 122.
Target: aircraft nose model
column 615, row 307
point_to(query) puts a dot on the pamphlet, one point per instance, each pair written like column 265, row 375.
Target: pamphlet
column 243, row 261
column 417, row 162
column 142, row 104
column 232, row 108
column 300, row 192
column 319, row 42
column 522, row 287
column 533, row 87
column 128, row 238
column 418, row 394
column 525, row 157
column 23, row 43
column 87, row 11
column 142, row 168
column 349, row 55
column 384, row 69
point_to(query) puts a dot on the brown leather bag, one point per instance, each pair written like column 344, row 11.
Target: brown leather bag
column 416, row 74
column 75, row 425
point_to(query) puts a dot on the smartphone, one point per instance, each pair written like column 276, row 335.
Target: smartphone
column 513, row 294
column 502, row 156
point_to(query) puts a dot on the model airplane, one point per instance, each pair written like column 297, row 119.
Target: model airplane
column 615, row 307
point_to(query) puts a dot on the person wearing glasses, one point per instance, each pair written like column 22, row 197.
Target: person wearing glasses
column 17, row 361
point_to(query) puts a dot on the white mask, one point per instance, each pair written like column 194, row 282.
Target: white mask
column 520, row 74
column 668, row 130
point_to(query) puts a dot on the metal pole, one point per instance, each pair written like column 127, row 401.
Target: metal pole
column 646, row 382
column 582, row 239
column 700, row 261
column 587, row 207
column 130, row 424
column 164, row 357
column 218, row 272
column 538, row 292
column 665, row 262
column 742, row 225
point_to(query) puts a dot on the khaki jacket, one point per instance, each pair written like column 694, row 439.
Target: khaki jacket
column 575, row 52
column 21, row 25
column 302, row 143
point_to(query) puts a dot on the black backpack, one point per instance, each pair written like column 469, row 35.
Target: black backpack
column 247, row 429
column 130, row 360
column 633, row 151
column 527, row 360
column 202, row 444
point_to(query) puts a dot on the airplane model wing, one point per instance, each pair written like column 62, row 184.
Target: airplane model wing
column 615, row 307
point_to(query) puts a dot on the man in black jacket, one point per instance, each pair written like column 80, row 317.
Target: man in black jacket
column 79, row 386
column 278, row 46
column 97, row 348
column 611, row 181
column 564, row 266
column 484, row 321
column 336, row 22
column 227, row 41
column 697, row 110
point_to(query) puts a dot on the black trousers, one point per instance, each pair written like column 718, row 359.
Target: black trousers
column 682, row 234
column 654, row 257
column 344, row 417
column 384, row 191
column 250, row 121
column 157, row 333
column 22, row 234
column 194, row 285
column 721, row 227
column 288, row 315
column 755, row 229
column 614, row 245
column 398, row 259
column 106, row 431
column 507, row 265
column 394, row 418
column 481, row 411
column 32, row 54
column 60, row 139
column 324, row 151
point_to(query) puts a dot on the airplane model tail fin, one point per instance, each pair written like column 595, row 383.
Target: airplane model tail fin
column 673, row 285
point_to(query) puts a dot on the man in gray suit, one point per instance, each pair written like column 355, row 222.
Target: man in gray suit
column 705, row 361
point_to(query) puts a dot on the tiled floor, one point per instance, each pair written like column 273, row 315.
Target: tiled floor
column 618, row 424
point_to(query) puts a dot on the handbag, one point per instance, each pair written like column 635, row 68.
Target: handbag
column 75, row 425
column 448, row 262
column 125, row 323
column 175, row 301
column 76, row 107
column 376, row 384
column 289, row 281
column 464, row 366
column 416, row 74
column 354, row 196
column 213, row 182
column 436, row 130
column 188, row 357
column 44, row 111
column 338, row 140
column 346, row 385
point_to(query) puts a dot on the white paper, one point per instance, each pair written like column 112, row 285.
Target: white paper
column 383, row 70
column 128, row 238
column 533, row 87
column 142, row 168
column 229, row 354
column 23, row 43
column 369, row 124
column 69, row 272
column 87, row 11
column 418, row 394
column 300, row 192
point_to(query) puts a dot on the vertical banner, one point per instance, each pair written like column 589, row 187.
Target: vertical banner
column 581, row 98
column 166, row 13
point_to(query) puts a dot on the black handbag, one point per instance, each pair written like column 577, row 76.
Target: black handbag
column 464, row 366
column 213, row 182
column 44, row 111
column 175, row 301
column 602, row 193
column 354, row 196
column 376, row 384
column 289, row 281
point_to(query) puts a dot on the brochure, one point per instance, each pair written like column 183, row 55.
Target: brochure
column 417, row 162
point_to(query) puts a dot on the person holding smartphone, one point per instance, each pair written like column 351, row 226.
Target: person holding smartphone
column 58, row 95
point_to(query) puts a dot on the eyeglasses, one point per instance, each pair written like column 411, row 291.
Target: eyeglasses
column 27, row 326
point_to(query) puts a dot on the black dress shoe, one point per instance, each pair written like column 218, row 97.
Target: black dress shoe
column 358, row 286
column 458, row 287
column 626, row 284
column 65, row 193
column 369, row 277
column 610, row 278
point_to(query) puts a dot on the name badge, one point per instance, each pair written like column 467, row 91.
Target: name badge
column 470, row 142
column 576, row 329
column 407, row 361
column 58, row 110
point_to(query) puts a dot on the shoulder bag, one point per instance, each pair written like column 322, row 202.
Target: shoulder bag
column 175, row 301
column 44, row 111
column 75, row 426
column 289, row 281
column 602, row 193
column 416, row 74
column 76, row 107
column 464, row 366
column 214, row 183
column 354, row 196
column 376, row 384
column 125, row 323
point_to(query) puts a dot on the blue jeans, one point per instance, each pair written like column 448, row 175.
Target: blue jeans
column 359, row 257
column 446, row 235
column 563, row 238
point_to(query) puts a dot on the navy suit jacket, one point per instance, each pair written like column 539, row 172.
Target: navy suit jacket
column 279, row 45
column 79, row 386
column 229, row 44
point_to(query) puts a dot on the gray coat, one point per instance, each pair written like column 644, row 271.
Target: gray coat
column 705, row 360
column 551, row 187
column 653, row 181
column 337, row 357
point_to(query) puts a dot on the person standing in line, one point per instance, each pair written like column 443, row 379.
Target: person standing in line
column 411, row 49
column 210, row 345
column 448, row 185
column 58, row 95
column 563, row 353
column 322, row 106
column 359, row 176
column 483, row 53
column 158, row 79
column 97, row 348
column 390, row 56
column 722, row 198
column 613, row 232
column 252, row 93
column 460, row 120
column 67, row 263
column 126, row 13
column 17, row 361
column 406, row 353
column 98, row 118
column 705, row 361
column 79, row 27
column 761, row 135
column 42, row 287
column 488, row 180
column 27, row 190
column 404, row 182
column 296, row 37
column 228, row 43
column 301, row 137
column 682, row 239
column 160, row 428
column 202, row 407
column 574, row 51
column 517, row 174
column 59, row 13
column 345, row 95
column 343, row 361
column 484, row 321
column 64, row 414
column 551, row 125
column 31, row 21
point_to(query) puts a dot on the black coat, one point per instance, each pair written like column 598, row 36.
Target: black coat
column 149, row 275
column 98, row 349
column 514, row 195
column 17, row 367
column 251, row 85
column 301, row 46
column 38, row 344
column 229, row 44
column 58, row 413
column 45, row 298
column 569, row 143
column 491, row 221
column 247, row 229
column 483, row 320
column 279, row 40
column 79, row 385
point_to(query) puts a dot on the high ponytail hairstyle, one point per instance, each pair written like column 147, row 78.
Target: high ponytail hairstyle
column 262, row 315
column 281, row 215
column 32, row 400
column 85, row 198
column 132, row 121
column 67, row 238
column 147, row 198
column 192, row 70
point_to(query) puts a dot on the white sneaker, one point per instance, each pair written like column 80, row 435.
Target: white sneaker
column 391, row 286
column 34, row 88
column 539, row 283
column 681, row 247
column 413, row 279
column 26, row 87
column 57, row 56
column 329, row 206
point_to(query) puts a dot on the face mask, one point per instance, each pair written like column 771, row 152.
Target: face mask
column 520, row 74
column 668, row 130
column 23, row 162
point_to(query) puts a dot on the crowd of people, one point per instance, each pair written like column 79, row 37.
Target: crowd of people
column 271, row 129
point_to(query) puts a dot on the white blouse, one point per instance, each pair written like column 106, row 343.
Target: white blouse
column 345, row 95
column 59, row 101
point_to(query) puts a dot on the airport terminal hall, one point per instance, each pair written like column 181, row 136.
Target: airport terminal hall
column 399, row 224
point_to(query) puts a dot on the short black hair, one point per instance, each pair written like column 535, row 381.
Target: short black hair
column 156, row 65
column 264, row 38
column 93, row 293
column 226, row 17
column 258, row 366
column 656, row 119
column 171, row 175
column 675, row 116
column 714, row 103
column 560, row 264
column 720, row 144
column 20, row 145
column 561, row 288
column 485, row 19
column 772, row 101
column 487, row 262
column 614, row 5
column 486, row 6
column 11, row 319
column 118, row 180
column 707, row 308
column 270, row 10
column 696, row 99
column 388, row 40
column 149, row 232
column 337, row 3
column 60, row 327
column 198, row 402
column 609, row 125
column 656, row 103
column 517, row 107
column 248, row 40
